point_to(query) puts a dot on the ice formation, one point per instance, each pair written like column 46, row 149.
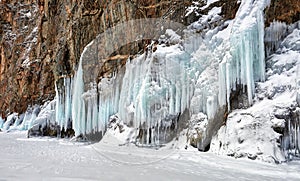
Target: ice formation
column 274, row 35
column 1, row 122
column 64, row 103
column 10, row 120
column 157, row 87
column 245, row 61
column 148, row 93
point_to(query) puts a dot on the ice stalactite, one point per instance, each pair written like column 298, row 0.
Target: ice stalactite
column 109, row 95
column 151, row 93
column 64, row 102
column 274, row 34
column 156, row 89
column 90, row 109
column 290, row 143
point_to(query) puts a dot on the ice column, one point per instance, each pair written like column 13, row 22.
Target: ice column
column 78, row 107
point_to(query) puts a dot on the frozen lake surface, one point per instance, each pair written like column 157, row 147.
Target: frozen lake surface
column 59, row 159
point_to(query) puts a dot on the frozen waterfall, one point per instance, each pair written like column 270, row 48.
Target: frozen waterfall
column 152, row 90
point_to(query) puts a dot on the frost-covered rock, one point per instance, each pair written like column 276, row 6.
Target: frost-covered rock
column 197, row 126
column 249, row 134
column 292, row 41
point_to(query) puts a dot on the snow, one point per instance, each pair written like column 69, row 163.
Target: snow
column 59, row 159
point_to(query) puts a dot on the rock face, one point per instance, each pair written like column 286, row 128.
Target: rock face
column 26, row 69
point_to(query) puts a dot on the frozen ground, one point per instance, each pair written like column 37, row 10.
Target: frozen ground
column 58, row 159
